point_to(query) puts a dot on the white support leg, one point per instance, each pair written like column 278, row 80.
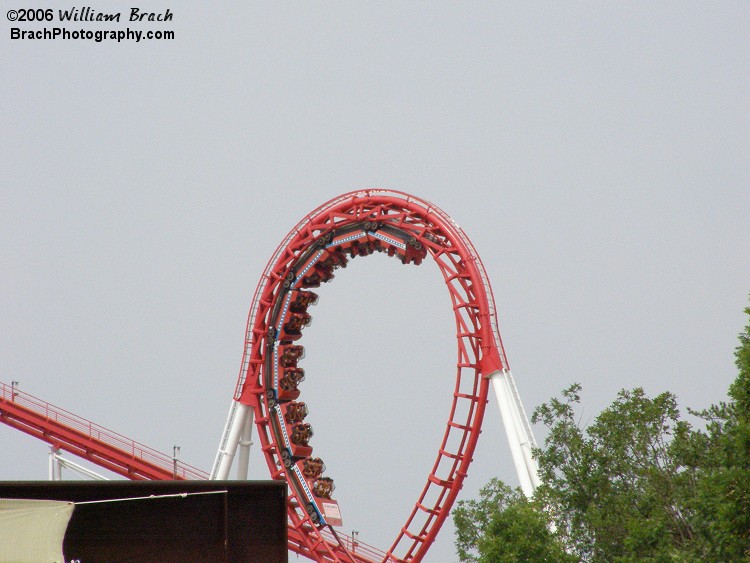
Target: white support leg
column 517, row 430
column 54, row 465
column 246, row 440
column 524, row 429
column 230, row 440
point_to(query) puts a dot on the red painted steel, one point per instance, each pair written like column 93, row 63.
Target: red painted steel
column 92, row 442
column 480, row 350
column 428, row 230
column 116, row 453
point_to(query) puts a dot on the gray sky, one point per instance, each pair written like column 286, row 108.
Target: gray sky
column 596, row 154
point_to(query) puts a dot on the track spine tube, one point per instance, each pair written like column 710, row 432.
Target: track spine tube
column 411, row 228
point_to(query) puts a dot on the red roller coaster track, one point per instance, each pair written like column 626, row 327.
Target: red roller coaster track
column 354, row 224
column 112, row 451
column 358, row 224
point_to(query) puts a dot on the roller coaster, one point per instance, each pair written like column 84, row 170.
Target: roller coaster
column 269, row 390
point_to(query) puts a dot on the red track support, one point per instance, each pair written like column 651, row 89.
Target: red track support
column 87, row 440
column 392, row 222
column 358, row 223
column 119, row 454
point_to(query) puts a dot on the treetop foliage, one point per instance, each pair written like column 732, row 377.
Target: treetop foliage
column 639, row 483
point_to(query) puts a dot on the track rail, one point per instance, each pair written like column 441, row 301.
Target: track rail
column 88, row 440
column 358, row 223
column 123, row 456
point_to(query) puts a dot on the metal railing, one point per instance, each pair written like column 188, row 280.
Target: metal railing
column 135, row 450
column 354, row 546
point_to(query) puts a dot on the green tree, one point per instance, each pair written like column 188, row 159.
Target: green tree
column 638, row 484
column 720, row 460
column 504, row 526
column 612, row 487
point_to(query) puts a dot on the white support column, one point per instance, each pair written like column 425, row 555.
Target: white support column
column 230, row 440
column 246, row 440
column 524, row 429
column 54, row 465
column 517, row 431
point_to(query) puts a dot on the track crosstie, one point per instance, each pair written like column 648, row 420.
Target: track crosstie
column 354, row 224
column 358, row 224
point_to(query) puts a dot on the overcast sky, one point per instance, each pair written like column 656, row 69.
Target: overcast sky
column 595, row 153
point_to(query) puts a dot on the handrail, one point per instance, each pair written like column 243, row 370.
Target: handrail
column 355, row 546
column 16, row 405
column 135, row 450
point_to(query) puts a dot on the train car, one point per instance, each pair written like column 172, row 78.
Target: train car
column 283, row 374
column 307, row 480
column 295, row 438
column 291, row 329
